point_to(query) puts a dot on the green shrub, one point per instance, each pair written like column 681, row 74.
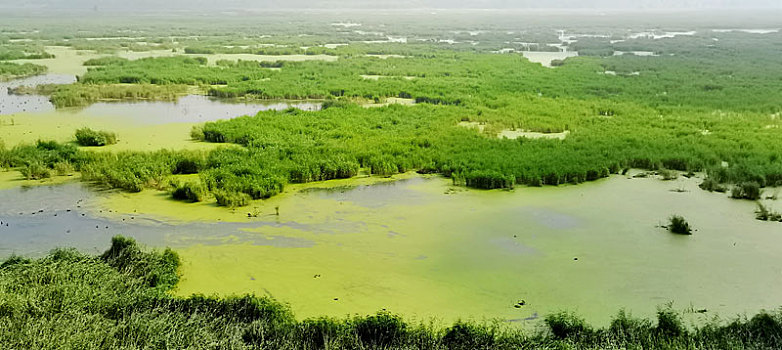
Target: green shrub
column 668, row 175
column 188, row 191
column 188, row 165
column 765, row 214
column 629, row 329
column 197, row 133
column 468, row 336
column 232, row 199
column 381, row 330
column 105, row 61
column 321, row 333
column 89, row 137
column 156, row 270
column 669, row 325
column 35, row 171
column 487, row 179
column 678, row 225
column 711, row 185
column 198, row 51
column 746, row 190
column 63, row 168
column 567, row 325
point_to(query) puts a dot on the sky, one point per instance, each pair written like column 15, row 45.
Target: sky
column 151, row 5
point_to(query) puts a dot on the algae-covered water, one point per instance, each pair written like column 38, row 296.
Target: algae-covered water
column 425, row 249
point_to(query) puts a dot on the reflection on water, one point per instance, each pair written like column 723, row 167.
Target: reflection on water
column 189, row 109
column 10, row 104
column 37, row 219
column 373, row 196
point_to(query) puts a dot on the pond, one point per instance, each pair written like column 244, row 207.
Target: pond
column 140, row 124
column 545, row 57
column 423, row 248
column 10, row 103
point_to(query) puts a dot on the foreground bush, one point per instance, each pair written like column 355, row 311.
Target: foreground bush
column 121, row 299
column 89, row 137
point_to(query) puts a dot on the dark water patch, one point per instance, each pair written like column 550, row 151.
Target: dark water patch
column 513, row 246
column 188, row 109
column 38, row 219
column 376, row 195
column 550, row 218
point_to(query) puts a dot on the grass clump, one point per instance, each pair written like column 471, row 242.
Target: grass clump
column 188, row 191
column 232, row 199
column 105, row 61
column 95, row 138
column 468, row 336
column 712, row 185
column 678, row 225
column 765, row 214
column 78, row 95
column 746, row 190
column 10, row 71
column 668, row 175
column 35, row 171
column 567, row 325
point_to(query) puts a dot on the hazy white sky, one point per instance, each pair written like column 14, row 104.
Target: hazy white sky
column 369, row 4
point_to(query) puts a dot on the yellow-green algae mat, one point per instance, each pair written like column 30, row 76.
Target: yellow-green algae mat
column 425, row 249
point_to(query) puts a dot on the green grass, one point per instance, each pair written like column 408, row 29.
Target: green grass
column 10, row 71
column 120, row 299
column 79, row 95
column 702, row 105
column 187, row 191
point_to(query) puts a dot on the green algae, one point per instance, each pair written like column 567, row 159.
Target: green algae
column 60, row 126
column 422, row 250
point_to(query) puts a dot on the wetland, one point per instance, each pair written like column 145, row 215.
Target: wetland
column 494, row 187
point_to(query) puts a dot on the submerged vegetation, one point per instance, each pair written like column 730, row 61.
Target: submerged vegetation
column 746, row 190
column 765, row 214
column 120, row 299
